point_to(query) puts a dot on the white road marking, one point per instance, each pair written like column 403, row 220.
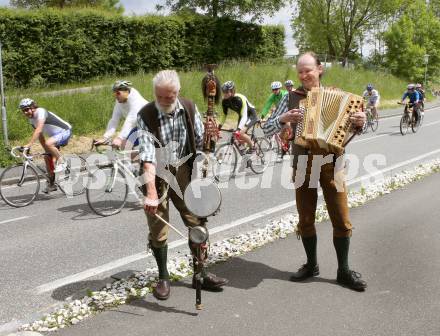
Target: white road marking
column 14, row 219
column 129, row 259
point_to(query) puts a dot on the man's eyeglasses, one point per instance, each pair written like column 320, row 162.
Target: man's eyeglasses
column 26, row 109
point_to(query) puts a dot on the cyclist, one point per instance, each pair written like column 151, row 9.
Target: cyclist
column 247, row 116
column 289, row 85
column 56, row 129
column 372, row 97
column 414, row 98
column 128, row 103
column 419, row 88
column 274, row 98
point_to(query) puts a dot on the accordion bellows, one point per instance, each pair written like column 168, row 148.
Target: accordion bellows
column 326, row 122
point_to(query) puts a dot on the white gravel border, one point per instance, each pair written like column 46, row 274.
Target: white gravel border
column 179, row 267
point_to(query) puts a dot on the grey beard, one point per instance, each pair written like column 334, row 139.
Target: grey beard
column 166, row 109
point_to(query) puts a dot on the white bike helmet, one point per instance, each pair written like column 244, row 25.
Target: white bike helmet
column 122, row 85
column 276, row 85
column 411, row 86
column 288, row 82
column 26, row 102
column 229, row 85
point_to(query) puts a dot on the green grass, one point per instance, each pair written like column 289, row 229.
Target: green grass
column 89, row 112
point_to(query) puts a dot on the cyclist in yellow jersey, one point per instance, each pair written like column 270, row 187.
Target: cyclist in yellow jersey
column 247, row 116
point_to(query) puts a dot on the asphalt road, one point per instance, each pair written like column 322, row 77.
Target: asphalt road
column 394, row 246
column 56, row 248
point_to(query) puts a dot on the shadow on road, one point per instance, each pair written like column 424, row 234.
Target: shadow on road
column 78, row 290
column 156, row 307
column 238, row 272
column 84, row 212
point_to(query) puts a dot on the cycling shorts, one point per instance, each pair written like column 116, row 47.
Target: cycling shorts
column 133, row 137
column 251, row 122
column 62, row 138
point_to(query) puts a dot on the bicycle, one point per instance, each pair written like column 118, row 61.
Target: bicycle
column 109, row 184
column 280, row 143
column 227, row 154
column 408, row 119
column 372, row 121
column 20, row 183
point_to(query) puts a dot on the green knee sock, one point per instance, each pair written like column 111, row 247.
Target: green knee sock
column 342, row 245
column 310, row 247
column 160, row 254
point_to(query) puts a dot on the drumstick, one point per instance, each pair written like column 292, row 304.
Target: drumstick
column 172, row 227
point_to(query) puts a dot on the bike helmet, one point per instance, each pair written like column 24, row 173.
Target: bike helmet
column 276, row 85
column 288, row 82
column 418, row 86
column 411, row 87
column 229, row 85
column 370, row 87
column 26, row 102
column 122, row 85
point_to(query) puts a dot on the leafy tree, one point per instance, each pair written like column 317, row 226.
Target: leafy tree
column 335, row 27
column 111, row 5
column 414, row 35
column 231, row 8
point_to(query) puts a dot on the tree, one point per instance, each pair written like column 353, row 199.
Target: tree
column 409, row 39
column 110, row 5
column 335, row 27
column 232, row 8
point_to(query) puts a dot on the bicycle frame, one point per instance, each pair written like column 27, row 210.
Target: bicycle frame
column 28, row 161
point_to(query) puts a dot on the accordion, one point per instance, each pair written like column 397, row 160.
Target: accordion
column 326, row 123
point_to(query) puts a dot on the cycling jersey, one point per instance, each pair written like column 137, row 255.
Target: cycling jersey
column 413, row 96
column 421, row 93
column 129, row 111
column 241, row 105
column 371, row 97
column 273, row 100
column 53, row 125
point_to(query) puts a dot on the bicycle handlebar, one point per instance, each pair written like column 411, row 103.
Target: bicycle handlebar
column 23, row 150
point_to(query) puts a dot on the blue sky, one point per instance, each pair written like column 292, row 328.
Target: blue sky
column 138, row 7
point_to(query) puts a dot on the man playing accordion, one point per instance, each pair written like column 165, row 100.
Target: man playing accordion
column 310, row 70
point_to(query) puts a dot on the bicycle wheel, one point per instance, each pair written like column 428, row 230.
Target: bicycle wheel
column 404, row 124
column 107, row 191
column 261, row 158
column 374, row 123
column 19, row 185
column 73, row 180
column 225, row 163
column 415, row 125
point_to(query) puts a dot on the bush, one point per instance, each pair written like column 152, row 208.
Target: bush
column 53, row 46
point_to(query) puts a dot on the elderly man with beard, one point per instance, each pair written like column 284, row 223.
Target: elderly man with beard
column 177, row 128
column 309, row 71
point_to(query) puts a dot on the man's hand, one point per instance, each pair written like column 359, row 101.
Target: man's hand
column 358, row 119
column 117, row 142
column 294, row 116
column 151, row 201
column 101, row 141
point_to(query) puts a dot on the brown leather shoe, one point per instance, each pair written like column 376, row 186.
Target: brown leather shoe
column 162, row 289
column 211, row 282
column 304, row 272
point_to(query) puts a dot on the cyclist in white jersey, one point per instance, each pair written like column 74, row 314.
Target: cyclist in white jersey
column 372, row 98
column 128, row 103
column 57, row 131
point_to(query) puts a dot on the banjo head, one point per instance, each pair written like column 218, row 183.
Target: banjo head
column 202, row 197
